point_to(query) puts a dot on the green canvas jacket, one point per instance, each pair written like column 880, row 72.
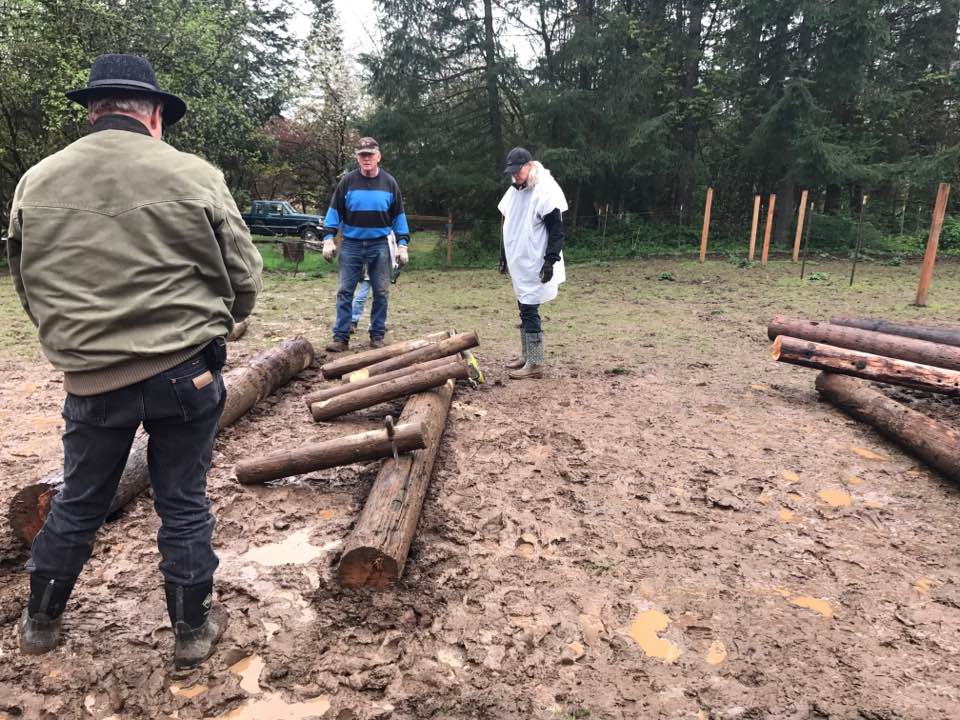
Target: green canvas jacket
column 128, row 255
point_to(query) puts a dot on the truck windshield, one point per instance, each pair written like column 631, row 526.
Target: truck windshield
column 287, row 209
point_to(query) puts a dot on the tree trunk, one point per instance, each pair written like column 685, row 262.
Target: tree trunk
column 376, row 550
column 690, row 122
column 894, row 346
column 786, row 208
column 493, row 95
column 346, row 387
column 932, row 442
column 866, row 365
column 389, row 390
column 348, row 363
column 246, row 386
column 361, row 447
column 948, row 335
column 451, row 346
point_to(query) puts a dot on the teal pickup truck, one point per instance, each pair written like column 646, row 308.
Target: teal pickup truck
column 277, row 217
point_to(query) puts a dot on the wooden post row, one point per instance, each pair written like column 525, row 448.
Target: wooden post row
column 450, row 239
column 930, row 256
column 705, row 233
column 800, row 217
column 753, row 229
column 767, row 230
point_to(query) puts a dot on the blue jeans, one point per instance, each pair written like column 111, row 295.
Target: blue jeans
column 360, row 299
column 354, row 254
column 181, row 421
column 530, row 318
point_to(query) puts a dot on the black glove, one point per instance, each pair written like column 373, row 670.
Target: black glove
column 503, row 265
column 546, row 272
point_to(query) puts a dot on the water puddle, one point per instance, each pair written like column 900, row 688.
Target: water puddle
column 294, row 550
column 786, row 515
column 854, row 480
column 815, row 604
column 273, row 707
column 249, row 670
column 644, row 629
column 790, row 476
column 835, row 497
column 923, row 585
column 717, row 653
column 188, row 692
column 868, row 454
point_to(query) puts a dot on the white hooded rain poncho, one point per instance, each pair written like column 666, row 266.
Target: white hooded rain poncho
column 525, row 235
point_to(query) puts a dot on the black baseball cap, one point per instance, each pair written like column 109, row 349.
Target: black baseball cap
column 366, row 145
column 516, row 159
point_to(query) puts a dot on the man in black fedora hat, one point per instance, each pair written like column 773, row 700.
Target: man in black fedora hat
column 133, row 262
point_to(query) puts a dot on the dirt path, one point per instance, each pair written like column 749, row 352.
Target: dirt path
column 671, row 525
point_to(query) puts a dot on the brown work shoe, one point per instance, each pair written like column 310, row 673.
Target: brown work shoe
column 337, row 346
column 376, row 342
column 527, row 371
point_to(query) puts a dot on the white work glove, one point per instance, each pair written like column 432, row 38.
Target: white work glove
column 403, row 257
column 329, row 249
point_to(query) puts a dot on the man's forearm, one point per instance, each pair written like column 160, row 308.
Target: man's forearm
column 555, row 236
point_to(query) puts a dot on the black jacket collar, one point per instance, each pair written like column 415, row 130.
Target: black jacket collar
column 118, row 122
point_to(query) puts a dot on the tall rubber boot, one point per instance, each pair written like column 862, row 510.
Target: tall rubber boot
column 518, row 361
column 533, row 368
column 198, row 624
column 41, row 620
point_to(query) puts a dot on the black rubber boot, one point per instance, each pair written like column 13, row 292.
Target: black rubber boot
column 41, row 620
column 198, row 625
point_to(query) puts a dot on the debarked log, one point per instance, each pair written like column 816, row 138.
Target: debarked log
column 866, row 365
column 878, row 343
column 348, row 363
column 376, row 550
column 389, row 390
column 451, row 346
column 246, row 386
column 346, row 387
column 931, row 441
column 947, row 335
column 361, row 447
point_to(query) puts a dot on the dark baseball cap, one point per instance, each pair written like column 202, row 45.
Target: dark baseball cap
column 516, row 159
column 366, row 145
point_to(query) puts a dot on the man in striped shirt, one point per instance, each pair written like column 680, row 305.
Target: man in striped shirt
column 366, row 207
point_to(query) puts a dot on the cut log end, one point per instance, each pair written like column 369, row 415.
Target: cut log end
column 367, row 567
column 777, row 344
column 29, row 508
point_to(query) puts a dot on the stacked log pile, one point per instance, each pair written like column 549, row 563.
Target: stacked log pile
column 851, row 351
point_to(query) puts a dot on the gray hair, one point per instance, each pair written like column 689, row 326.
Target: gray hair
column 137, row 104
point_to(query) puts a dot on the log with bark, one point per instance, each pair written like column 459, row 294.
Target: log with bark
column 931, row 441
column 376, row 550
column 451, row 346
column 389, row 390
column 346, row 387
column 246, row 386
column 239, row 330
column 866, row 365
column 348, row 363
column 894, row 346
column 361, row 447
column 947, row 335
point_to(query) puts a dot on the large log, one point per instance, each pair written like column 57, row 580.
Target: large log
column 246, row 386
column 376, row 550
column 371, row 445
column 346, row 387
column 866, row 365
column 895, row 346
column 390, row 390
column 931, row 441
column 348, row 363
column 451, row 346
column 946, row 335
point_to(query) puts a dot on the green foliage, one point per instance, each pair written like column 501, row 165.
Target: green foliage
column 666, row 275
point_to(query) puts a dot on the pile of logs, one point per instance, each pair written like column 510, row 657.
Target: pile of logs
column 422, row 370
column 915, row 356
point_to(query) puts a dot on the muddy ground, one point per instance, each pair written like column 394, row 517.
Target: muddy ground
column 669, row 525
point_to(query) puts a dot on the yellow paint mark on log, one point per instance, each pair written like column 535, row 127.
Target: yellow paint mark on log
column 786, row 515
column 790, row 476
column 358, row 375
column 644, row 629
column 815, row 604
column 835, row 497
column 868, row 454
column 717, row 653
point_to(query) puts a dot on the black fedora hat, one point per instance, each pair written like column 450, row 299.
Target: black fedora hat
column 129, row 74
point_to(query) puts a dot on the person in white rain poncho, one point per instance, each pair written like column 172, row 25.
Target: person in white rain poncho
column 532, row 251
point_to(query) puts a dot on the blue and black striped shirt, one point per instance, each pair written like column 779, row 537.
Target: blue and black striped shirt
column 367, row 208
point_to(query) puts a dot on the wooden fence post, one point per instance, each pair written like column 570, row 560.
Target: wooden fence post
column 705, row 233
column 930, row 257
column 767, row 230
column 800, row 217
column 450, row 239
column 753, row 229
